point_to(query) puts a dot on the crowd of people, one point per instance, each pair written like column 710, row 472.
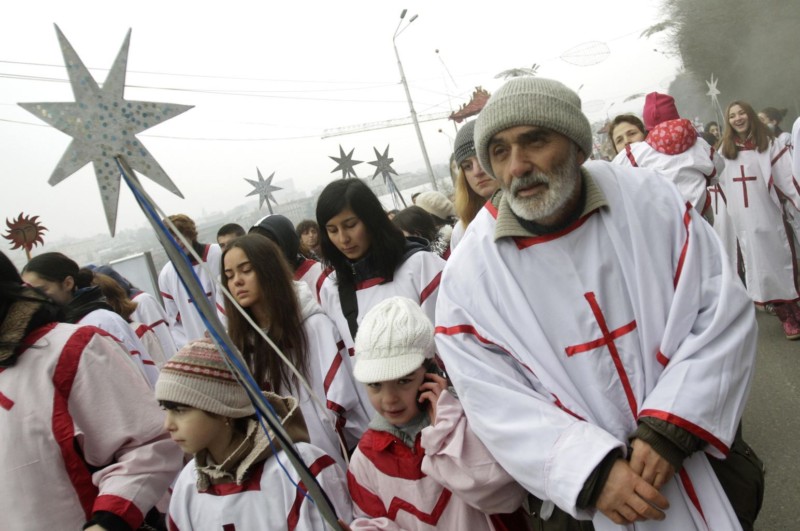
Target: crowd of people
column 566, row 345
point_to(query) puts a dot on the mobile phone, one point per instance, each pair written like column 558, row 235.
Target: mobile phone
column 430, row 366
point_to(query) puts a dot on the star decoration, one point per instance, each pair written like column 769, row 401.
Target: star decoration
column 712, row 87
column 263, row 187
column 103, row 125
column 383, row 165
column 345, row 163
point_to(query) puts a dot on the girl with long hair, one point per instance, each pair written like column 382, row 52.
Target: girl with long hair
column 760, row 188
column 369, row 258
column 771, row 117
column 257, row 275
column 473, row 185
column 60, row 278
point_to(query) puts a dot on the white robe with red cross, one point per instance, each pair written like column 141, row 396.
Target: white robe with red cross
column 558, row 344
column 758, row 187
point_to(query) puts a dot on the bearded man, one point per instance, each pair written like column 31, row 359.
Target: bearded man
column 600, row 343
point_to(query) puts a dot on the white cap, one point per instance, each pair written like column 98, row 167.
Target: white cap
column 436, row 203
column 393, row 340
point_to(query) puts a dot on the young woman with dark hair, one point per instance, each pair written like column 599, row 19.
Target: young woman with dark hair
column 256, row 273
column 369, row 258
column 760, row 190
column 80, row 433
column 60, row 278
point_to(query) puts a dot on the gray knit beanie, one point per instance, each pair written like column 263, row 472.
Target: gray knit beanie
column 532, row 101
column 197, row 376
column 464, row 147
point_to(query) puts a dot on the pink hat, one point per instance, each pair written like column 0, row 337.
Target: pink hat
column 658, row 108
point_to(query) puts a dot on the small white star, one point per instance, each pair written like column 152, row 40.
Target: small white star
column 712, row 88
column 345, row 163
column 264, row 190
column 103, row 125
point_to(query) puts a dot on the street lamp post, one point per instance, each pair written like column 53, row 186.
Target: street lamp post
column 397, row 32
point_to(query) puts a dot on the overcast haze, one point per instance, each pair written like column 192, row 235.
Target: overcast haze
column 267, row 79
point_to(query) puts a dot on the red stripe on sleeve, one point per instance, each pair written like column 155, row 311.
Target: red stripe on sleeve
column 687, row 484
column 167, row 295
column 661, row 358
column 5, row 402
column 123, row 508
column 303, row 269
column 62, row 424
column 630, row 156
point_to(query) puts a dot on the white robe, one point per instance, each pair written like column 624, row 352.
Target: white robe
column 558, row 344
column 756, row 212
column 184, row 319
column 267, row 499
column 691, row 171
column 150, row 312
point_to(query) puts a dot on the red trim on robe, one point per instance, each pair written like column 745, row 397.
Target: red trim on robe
column 692, row 428
column 779, row 155
column 123, row 508
column 303, row 268
column 167, row 295
column 687, row 484
column 325, row 274
column 205, row 252
column 430, row 288
column 366, row 284
column 316, row 467
column 524, row 243
column 5, row 402
column 686, row 220
column 63, row 427
column 661, row 358
column 629, row 154
column 332, row 371
column 491, row 208
column 366, row 500
column 34, row 336
column 171, row 524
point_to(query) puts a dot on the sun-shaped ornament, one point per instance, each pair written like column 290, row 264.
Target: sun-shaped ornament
column 25, row 232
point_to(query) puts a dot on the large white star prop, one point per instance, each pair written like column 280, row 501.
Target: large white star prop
column 345, row 163
column 103, row 125
column 264, row 190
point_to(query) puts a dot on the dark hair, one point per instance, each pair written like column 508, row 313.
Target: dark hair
column 115, row 296
column 776, row 116
column 282, row 309
column 185, row 225
column 387, row 241
column 55, row 267
column 709, row 124
column 416, row 221
column 12, row 291
column 759, row 132
column 628, row 119
column 230, row 228
column 306, row 224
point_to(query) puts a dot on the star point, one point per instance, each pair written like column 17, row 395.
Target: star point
column 103, row 125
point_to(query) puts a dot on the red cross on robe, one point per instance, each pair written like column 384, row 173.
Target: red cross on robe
column 609, row 336
column 743, row 179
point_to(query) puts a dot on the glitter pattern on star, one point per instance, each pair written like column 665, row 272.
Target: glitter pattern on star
column 103, row 125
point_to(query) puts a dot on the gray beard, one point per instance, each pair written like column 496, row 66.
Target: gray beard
column 563, row 185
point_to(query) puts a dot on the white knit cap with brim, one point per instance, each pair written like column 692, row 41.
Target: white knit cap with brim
column 393, row 340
